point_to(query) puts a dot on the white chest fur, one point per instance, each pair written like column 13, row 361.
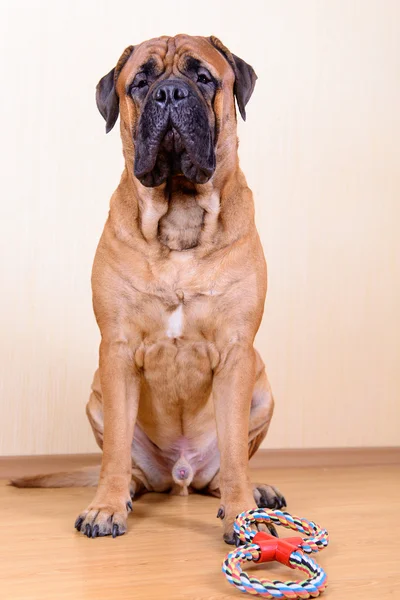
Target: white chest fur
column 175, row 323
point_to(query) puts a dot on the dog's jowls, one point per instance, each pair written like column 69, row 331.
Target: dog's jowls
column 181, row 398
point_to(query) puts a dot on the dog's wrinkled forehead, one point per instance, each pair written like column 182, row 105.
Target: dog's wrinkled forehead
column 167, row 56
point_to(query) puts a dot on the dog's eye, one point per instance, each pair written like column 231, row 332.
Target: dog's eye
column 203, row 76
column 139, row 82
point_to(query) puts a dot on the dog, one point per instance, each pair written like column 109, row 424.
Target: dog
column 181, row 399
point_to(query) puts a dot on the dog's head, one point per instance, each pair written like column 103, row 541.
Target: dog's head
column 175, row 97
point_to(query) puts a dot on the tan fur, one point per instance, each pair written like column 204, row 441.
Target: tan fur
column 194, row 256
column 86, row 477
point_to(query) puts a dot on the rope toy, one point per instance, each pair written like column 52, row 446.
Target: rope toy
column 259, row 547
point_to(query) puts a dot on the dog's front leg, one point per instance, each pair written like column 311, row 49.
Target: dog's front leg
column 120, row 384
column 232, row 391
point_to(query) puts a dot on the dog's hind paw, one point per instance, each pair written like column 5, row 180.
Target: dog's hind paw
column 267, row 496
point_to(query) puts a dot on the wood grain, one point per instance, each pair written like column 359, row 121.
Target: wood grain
column 174, row 549
column 18, row 466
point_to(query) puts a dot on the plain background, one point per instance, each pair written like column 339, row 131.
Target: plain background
column 320, row 149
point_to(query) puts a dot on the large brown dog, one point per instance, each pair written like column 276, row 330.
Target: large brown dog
column 181, row 398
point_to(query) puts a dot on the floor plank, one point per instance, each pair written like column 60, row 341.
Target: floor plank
column 265, row 458
column 173, row 549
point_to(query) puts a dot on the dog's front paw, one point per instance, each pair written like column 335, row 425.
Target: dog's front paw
column 101, row 519
column 265, row 496
column 228, row 512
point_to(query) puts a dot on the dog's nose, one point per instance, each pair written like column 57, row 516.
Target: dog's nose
column 170, row 92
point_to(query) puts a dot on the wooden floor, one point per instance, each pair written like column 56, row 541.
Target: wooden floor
column 173, row 549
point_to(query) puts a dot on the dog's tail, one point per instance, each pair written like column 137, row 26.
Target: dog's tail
column 85, row 477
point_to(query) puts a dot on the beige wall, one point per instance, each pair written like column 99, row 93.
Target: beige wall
column 321, row 152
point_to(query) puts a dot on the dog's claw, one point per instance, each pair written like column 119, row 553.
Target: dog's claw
column 95, row 531
column 266, row 496
column 88, row 530
column 272, row 530
column 78, row 523
column 129, row 506
column 115, row 530
column 232, row 539
column 220, row 513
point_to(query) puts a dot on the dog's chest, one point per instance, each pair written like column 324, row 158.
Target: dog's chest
column 174, row 323
column 180, row 227
column 177, row 354
column 178, row 335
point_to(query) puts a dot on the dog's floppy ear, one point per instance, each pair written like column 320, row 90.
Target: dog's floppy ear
column 107, row 100
column 245, row 77
column 106, row 95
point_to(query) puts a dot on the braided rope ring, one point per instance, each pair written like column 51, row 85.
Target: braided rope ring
column 318, row 539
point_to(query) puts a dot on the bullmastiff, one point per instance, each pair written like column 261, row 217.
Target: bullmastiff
column 181, row 399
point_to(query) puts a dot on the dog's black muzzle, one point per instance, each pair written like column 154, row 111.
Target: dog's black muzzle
column 174, row 135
